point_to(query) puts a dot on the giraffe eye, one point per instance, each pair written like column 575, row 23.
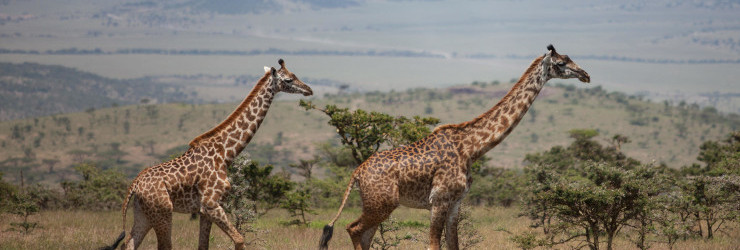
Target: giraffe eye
column 561, row 64
column 289, row 80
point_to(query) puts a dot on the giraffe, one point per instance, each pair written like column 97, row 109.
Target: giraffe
column 196, row 181
column 434, row 172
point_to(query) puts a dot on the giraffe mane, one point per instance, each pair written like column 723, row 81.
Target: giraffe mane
column 234, row 115
column 463, row 125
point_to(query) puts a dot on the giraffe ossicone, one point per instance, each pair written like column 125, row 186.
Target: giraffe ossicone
column 434, row 172
column 195, row 181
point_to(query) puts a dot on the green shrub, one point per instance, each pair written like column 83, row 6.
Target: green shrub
column 98, row 189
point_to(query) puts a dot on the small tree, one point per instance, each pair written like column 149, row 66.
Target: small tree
column 714, row 187
column 673, row 218
column 387, row 237
column 715, row 200
column 601, row 204
column 24, row 206
column 7, row 191
column 255, row 183
column 337, row 161
column 306, row 167
column 296, row 202
column 494, row 186
column 98, row 189
column 365, row 132
column 587, row 191
column 50, row 163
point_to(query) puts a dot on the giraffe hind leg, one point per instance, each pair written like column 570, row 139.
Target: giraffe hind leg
column 367, row 237
column 139, row 230
column 363, row 229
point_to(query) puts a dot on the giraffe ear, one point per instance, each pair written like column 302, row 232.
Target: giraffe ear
column 547, row 58
column 267, row 69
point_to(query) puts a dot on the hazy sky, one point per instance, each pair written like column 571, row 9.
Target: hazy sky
column 674, row 47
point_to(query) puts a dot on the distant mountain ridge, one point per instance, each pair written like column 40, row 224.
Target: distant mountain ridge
column 30, row 89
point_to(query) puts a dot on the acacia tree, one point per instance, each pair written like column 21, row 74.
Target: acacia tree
column 363, row 133
column 600, row 203
column 253, row 185
column 672, row 217
column 585, row 191
column 715, row 187
column 296, row 203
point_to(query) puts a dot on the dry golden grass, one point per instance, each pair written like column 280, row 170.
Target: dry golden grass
column 89, row 230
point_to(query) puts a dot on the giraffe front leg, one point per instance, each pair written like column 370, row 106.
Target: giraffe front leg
column 205, row 232
column 438, row 220
column 451, row 236
column 163, row 228
column 217, row 215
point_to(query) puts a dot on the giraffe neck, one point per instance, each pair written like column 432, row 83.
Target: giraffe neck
column 233, row 134
column 487, row 130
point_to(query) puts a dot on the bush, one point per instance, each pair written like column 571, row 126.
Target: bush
column 297, row 204
column 494, row 186
column 597, row 200
column 253, row 184
column 98, row 189
column 7, row 191
column 23, row 205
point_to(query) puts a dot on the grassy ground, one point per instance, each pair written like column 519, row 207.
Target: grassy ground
column 86, row 230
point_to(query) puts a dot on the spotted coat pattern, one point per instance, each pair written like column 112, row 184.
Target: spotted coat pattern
column 434, row 172
column 196, row 181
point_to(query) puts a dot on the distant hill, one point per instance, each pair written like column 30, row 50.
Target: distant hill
column 135, row 136
column 30, row 89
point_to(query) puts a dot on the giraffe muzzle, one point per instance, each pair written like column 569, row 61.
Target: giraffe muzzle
column 584, row 77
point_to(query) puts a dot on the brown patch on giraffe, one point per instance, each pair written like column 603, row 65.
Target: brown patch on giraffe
column 263, row 112
column 231, row 143
column 250, row 116
column 504, row 121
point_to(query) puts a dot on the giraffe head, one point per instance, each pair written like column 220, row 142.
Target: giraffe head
column 287, row 81
column 560, row 66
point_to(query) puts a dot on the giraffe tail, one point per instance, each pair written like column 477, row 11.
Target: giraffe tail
column 115, row 244
column 329, row 228
column 123, row 209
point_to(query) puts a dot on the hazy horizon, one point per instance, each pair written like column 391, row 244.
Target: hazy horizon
column 674, row 50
